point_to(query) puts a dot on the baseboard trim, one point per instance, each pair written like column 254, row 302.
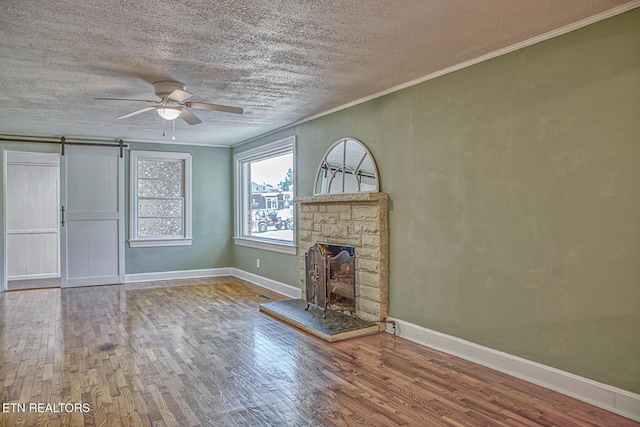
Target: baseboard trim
column 607, row 397
column 272, row 285
column 183, row 274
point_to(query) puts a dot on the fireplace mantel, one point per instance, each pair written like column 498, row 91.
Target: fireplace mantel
column 343, row 198
column 359, row 220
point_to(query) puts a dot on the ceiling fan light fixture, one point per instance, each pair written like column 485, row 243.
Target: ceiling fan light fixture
column 172, row 104
column 169, row 113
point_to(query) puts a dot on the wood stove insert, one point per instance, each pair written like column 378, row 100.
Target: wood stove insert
column 330, row 278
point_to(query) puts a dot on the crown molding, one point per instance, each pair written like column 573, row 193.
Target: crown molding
column 512, row 48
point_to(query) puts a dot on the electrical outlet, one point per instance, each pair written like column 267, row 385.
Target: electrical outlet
column 257, row 262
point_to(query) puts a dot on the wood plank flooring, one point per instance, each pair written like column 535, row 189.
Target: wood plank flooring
column 199, row 353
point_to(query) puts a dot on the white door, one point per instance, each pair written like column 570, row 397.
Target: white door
column 32, row 216
column 92, row 226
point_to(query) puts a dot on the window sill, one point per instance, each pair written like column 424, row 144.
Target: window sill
column 267, row 245
column 155, row 243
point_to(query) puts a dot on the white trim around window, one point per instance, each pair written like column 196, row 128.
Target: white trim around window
column 183, row 198
column 243, row 236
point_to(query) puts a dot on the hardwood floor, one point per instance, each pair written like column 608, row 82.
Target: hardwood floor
column 199, row 353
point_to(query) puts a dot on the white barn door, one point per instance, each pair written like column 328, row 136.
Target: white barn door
column 92, row 217
column 32, row 215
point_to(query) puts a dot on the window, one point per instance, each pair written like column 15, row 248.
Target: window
column 160, row 199
column 265, row 188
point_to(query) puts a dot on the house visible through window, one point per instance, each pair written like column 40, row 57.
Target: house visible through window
column 160, row 199
column 265, row 188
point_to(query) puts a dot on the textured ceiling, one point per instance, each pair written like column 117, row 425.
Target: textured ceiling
column 281, row 61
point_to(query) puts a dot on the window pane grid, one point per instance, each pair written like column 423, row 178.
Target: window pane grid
column 167, row 208
column 156, row 227
column 160, row 188
column 160, row 194
column 160, row 169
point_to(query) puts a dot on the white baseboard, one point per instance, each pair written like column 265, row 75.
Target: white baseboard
column 34, row 277
column 612, row 399
column 184, row 274
column 272, row 285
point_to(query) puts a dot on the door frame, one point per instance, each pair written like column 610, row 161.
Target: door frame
column 28, row 161
column 7, row 148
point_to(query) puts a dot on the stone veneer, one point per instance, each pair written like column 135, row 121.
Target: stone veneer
column 359, row 220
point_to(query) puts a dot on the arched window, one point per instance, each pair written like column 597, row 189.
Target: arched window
column 347, row 167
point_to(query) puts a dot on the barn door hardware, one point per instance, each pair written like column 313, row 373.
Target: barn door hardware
column 63, row 142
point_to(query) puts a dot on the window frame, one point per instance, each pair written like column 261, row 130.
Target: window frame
column 242, row 198
column 136, row 241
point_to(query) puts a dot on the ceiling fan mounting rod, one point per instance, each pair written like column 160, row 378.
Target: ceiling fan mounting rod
column 164, row 88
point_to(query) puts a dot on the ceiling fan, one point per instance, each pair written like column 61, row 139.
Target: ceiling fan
column 172, row 103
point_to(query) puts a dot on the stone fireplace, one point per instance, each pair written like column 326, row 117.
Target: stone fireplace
column 346, row 272
column 357, row 220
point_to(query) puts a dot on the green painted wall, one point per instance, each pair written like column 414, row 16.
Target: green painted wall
column 515, row 200
column 276, row 266
column 211, row 208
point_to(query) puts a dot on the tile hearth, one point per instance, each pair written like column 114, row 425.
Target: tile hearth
column 335, row 327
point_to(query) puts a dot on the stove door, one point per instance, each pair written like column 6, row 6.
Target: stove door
column 316, row 274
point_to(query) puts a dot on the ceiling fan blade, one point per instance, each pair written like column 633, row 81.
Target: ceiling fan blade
column 216, row 107
column 179, row 95
column 133, row 113
column 125, row 99
column 188, row 117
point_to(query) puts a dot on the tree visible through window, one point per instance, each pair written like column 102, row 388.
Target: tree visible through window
column 265, row 193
